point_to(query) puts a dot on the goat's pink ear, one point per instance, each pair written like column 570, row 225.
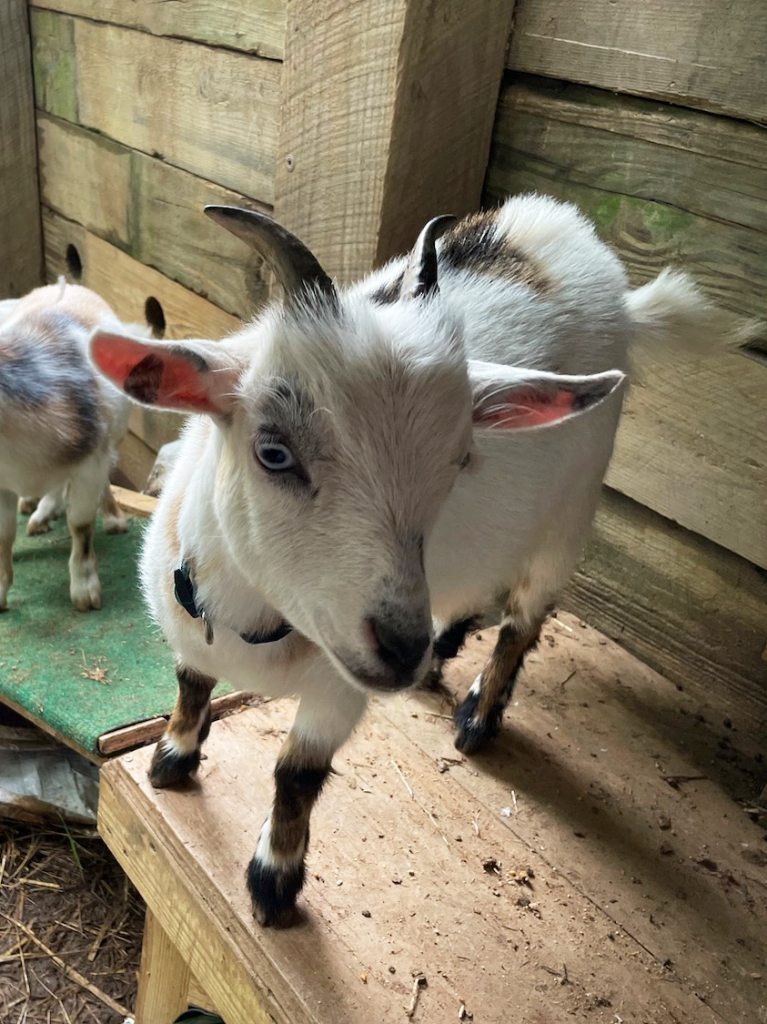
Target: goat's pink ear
column 506, row 398
column 194, row 376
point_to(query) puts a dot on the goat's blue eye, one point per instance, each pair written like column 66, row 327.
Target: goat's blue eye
column 274, row 456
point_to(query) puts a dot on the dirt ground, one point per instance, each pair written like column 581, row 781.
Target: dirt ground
column 62, row 894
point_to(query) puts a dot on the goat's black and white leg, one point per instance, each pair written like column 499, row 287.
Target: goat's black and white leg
column 276, row 873
column 478, row 718
column 8, row 503
column 177, row 754
column 447, row 643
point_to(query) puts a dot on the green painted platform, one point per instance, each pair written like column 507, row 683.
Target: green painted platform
column 49, row 653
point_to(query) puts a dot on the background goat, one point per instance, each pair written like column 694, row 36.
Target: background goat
column 60, row 424
column 376, row 458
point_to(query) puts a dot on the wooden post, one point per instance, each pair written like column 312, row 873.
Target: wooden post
column 386, row 117
column 164, row 980
column 21, row 260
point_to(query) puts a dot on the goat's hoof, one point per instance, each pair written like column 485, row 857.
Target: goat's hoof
column 171, row 767
column 473, row 731
column 86, row 592
column 273, row 890
column 114, row 524
column 37, row 526
column 27, row 506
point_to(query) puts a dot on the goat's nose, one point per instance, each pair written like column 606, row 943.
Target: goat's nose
column 402, row 652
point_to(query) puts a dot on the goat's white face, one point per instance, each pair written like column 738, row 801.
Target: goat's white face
column 346, row 435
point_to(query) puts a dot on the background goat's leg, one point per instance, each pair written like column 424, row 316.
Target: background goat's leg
column 85, row 489
column 177, row 754
column 8, row 503
column 276, row 872
column 112, row 517
column 49, row 507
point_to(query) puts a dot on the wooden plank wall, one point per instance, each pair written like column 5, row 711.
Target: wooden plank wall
column 651, row 118
column 21, row 261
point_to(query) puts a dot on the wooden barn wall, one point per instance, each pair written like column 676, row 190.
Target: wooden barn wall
column 651, row 117
column 21, row 258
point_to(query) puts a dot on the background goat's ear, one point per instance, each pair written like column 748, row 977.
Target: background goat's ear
column 195, row 376
column 510, row 399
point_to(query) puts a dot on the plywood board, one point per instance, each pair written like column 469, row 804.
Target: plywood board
column 256, row 26
column 665, row 187
column 693, row 611
column 133, row 502
column 152, row 210
column 215, row 117
column 365, row 159
column 698, row 53
column 21, row 259
column 559, row 876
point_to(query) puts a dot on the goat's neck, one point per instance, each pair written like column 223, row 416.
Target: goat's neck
column 228, row 597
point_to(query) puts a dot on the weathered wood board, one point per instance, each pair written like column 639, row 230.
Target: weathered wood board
column 136, row 458
column 126, row 284
column 256, row 26
column 151, row 210
column 691, row 610
column 21, row 259
column 700, row 53
column 386, row 115
column 665, row 187
column 581, row 869
column 214, row 117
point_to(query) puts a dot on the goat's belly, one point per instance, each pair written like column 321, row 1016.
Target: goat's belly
column 30, row 481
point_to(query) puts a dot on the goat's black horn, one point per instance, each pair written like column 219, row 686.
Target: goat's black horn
column 294, row 266
column 421, row 273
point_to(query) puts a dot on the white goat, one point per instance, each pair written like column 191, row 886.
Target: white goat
column 374, row 458
column 60, row 424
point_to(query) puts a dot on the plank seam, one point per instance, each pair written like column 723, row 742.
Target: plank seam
column 145, row 32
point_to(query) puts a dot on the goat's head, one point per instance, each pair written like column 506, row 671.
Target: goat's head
column 341, row 428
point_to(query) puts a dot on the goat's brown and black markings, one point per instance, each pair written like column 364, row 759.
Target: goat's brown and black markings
column 275, row 875
column 474, row 245
column 478, row 718
column 389, row 292
column 447, row 644
column 178, row 752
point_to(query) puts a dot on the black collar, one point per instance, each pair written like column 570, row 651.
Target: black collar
column 185, row 593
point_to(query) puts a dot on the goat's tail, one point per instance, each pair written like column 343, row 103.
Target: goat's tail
column 672, row 310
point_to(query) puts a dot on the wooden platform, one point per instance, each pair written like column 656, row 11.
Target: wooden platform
column 595, row 866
